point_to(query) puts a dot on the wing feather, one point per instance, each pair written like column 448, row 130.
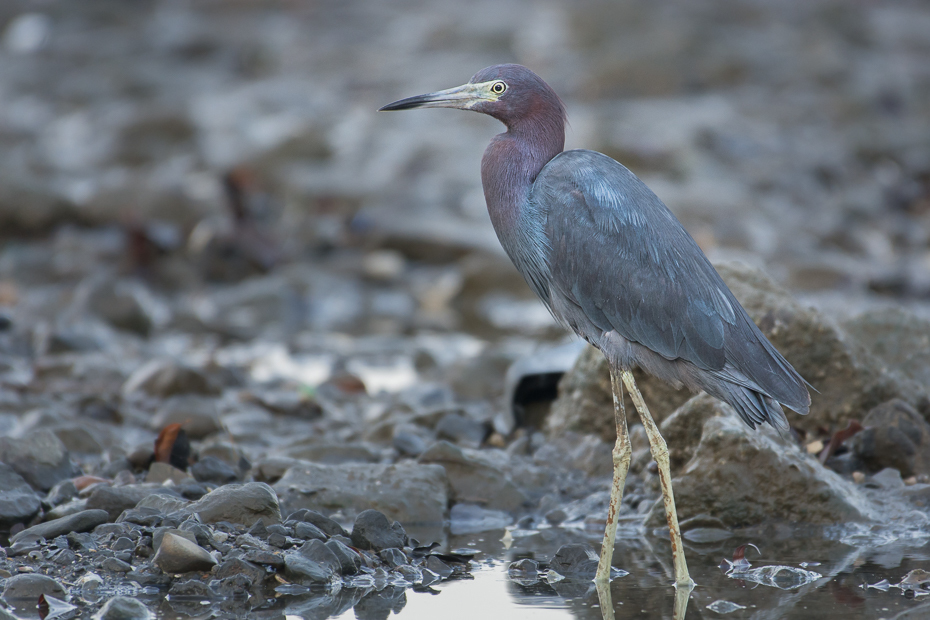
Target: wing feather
column 622, row 259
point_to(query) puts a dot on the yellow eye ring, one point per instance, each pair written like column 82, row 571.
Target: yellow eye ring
column 498, row 88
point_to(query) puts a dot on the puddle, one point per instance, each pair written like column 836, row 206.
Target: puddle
column 849, row 583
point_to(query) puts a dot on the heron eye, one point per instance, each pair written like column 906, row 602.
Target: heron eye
column 498, row 87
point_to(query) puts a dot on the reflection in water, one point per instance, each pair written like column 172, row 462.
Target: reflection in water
column 647, row 591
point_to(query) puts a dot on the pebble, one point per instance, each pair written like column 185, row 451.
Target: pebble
column 575, row 560
column 159, row 535
column 323, row 523
column 212, row 469
column 18, row 502
column 83, row 521
column 300, row 569
column 198, row 415
column 123, row 608
column 438, row 567
column 179, row 555
column 408, row 492
column 160, row 473
column 243, row 504
column 114, row 500
column 307, row 531
column 193, row 588
column 237, row 566
column 393, row 557
column 31, row 586
column 350, row 562
column 317, row 551
column 372, row 530
column 164, row 378
column 116, row 565
column 39, row 457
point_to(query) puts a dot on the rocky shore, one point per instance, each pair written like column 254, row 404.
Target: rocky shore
column 260, row 352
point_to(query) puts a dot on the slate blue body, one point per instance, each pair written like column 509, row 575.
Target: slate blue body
column 610, row 260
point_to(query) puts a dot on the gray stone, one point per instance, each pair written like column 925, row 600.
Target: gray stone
column 118, row 303
column 238, row 503
column 163, row 502
column 461, row 429
column 333, row 453
column 474, row 478
column 84, row 521
column 30, row 586
column 575, row 560
column 237, row 566
column 159, row 473
column 300, row 569
column 373, row 530
column 179, row 555
column 192, row 588
column 307, row 531
column 325, row 524
column 682, row 430
column 18, row 502
column 123, row 608
column 393, row 557
column 408, row 492
column 198, row 415
column 117, row 499
column 159, row 535
column 895, row 435
column 164, row 378
column 407, row 439
column 320, row 553
column 39, row 457
column 745, row 477
column 439, row 567
column 350, row 562
column 898, row 338
column 212, row 469
column 115, row 565
column 61, row 493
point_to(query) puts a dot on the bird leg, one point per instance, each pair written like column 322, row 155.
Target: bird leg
column 660, row 453
column 622, row 454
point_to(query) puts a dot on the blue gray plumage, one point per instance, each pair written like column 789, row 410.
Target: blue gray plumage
column 610, row 260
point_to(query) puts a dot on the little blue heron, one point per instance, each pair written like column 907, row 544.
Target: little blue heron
column 612, row 262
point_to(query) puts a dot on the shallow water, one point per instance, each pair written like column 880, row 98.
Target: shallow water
column 841, row 592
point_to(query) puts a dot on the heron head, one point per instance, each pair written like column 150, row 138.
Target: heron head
column 509, row 93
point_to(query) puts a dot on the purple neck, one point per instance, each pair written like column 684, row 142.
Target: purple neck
column 511, row 164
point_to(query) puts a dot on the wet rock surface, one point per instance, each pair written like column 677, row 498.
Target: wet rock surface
column 239, row 309
column 733, row 464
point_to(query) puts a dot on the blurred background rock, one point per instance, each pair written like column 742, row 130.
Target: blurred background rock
column 792, row 135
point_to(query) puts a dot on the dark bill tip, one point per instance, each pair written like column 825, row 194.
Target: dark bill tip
column 461, row 97
column 408, row 104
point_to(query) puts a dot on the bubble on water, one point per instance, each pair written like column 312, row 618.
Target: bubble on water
column 554, row 577
column 776, row 576
column 882, row 585
column 911, row 527
column 724, row 607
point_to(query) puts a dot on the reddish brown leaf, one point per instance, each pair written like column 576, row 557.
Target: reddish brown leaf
column 172, row 446
column 43, row 607
column 164, row 443
column 838, row 438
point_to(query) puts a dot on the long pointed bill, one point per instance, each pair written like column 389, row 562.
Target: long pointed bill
column 461, row 97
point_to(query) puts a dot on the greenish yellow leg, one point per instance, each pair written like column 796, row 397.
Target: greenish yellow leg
column 622, row 453
column 660, row 453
